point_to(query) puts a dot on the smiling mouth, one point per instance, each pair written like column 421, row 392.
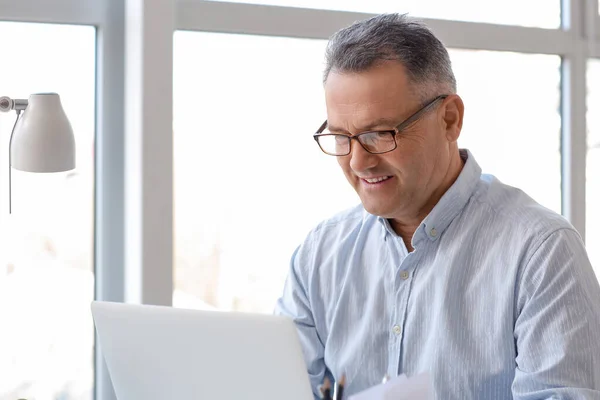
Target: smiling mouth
column 377, row 180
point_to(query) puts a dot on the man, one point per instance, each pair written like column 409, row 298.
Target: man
column 441, row 269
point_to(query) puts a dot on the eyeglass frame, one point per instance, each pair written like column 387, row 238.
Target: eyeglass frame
column 394, row 132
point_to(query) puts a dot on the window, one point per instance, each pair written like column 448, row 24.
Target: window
column 231, row 250
column 249, row 181
column 533, row 13
column 46, row 264
column 512, row 105
column 592, row 212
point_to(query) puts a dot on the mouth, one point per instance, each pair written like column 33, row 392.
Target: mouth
column 376, row 180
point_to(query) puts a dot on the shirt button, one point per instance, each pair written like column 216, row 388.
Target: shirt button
column 433, row 232
column 404, row 275
column 397, row 329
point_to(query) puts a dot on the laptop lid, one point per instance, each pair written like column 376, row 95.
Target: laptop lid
column 164, row 353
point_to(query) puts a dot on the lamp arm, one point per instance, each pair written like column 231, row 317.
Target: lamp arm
column 6, row 105
column 12, row 133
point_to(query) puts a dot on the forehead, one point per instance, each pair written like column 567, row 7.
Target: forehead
column 354, row 99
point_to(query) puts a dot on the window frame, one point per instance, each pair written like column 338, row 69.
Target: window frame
column 134, row 260
column 108, row 18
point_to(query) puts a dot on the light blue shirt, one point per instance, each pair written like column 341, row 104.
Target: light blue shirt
column 498, row 300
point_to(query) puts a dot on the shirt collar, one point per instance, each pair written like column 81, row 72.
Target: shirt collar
column 450, row 204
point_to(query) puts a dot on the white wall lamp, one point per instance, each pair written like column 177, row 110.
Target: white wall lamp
column 42, row 139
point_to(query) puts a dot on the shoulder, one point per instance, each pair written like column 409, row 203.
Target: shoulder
column 544, row 241
column 510, row 210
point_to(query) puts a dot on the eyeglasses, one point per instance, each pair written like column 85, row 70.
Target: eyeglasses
column 375, row 142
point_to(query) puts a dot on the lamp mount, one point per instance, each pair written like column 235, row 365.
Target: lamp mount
column 7, row 104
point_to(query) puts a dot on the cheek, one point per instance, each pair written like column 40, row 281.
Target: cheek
column 415, row 142
column 404, row 159
column 409, row 165
column 417, row 151
column 344, row 163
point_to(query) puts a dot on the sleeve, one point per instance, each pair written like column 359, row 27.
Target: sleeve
column 295, row 304
column 557, row 327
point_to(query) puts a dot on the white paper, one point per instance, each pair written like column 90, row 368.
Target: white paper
column 418, row 387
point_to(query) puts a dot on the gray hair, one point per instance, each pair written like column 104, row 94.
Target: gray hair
column 393, row 37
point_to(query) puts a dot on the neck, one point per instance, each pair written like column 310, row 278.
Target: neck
column 406, row 227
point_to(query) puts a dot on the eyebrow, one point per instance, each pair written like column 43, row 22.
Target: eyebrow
column 378, row 122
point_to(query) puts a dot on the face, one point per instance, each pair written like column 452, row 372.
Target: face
column 402, row 183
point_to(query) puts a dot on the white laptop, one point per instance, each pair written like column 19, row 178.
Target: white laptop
column 163, row 353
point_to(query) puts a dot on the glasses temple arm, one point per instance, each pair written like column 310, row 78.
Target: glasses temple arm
column 418, row 114
column 322, row 127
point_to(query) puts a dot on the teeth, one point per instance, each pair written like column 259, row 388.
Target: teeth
column 375, row 180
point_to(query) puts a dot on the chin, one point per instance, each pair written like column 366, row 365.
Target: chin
column 377, row 210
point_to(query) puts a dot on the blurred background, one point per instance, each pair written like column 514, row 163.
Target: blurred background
column 245, row 181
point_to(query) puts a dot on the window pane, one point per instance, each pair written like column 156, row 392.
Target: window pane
column 512, row 104
column 46, row 264
column 592, row 212
column 534, row 13
column 244, row 156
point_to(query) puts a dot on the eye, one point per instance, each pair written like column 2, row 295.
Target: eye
column 340, row 139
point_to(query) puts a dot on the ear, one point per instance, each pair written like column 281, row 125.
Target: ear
column 453, row 110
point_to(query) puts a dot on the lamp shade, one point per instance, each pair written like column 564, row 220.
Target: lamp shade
column 43, row 139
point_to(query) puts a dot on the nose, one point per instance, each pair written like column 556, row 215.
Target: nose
column 360, row 159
